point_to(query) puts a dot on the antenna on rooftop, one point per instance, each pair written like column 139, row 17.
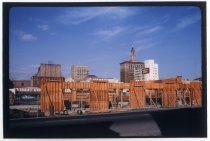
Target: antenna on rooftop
column 132, row 44
column 132, row 56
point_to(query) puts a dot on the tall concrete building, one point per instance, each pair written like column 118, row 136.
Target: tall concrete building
column 79, row 73
column 153, row 70
column 128, row 68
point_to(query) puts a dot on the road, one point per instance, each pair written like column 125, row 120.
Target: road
column 169, row 123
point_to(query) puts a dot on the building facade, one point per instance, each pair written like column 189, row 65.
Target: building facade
column 153, row 70
column 47, row 72
column 138, row 75
column 79, row 73
column 129, row 68
column 24, row 96
column 21, row 83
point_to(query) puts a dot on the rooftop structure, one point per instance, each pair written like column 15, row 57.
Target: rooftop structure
column 133, row 56
column 47, row 71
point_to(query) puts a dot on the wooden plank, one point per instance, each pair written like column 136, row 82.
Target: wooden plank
column 99, row 100
column 137, row 95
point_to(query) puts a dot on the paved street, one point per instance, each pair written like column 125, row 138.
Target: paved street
column 169, row 123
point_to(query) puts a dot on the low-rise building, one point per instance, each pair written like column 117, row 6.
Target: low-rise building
column 21, row 83
column 25, row 96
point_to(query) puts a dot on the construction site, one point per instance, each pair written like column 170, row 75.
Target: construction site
column 97, row 96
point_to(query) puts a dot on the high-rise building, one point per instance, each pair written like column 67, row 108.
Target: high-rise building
column 128, row 68
column 79, row 73
column 153, row 70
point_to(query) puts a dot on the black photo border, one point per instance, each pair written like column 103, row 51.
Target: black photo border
column 6, row 10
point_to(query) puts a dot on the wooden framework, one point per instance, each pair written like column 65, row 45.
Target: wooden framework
column 102, row 96
column 99, row 99
column 51, row 99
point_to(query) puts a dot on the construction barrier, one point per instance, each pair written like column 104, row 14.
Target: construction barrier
column 102, row 96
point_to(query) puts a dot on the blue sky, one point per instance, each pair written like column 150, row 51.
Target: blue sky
column 101, row 37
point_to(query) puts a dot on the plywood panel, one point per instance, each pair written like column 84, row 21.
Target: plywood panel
column 99, row 99
column 137, row 95
column 196, row 91
column 169, row 95
column 51, row 94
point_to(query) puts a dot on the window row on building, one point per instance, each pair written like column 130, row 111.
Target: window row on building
column 135, row 70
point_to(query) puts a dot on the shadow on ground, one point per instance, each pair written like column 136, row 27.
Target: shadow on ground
column 181, row 123
column 94, row 130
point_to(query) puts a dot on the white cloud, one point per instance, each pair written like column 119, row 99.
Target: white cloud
column 38, row 20
column 163, row 20
column 35, row 66
column 109, row 33
column 144, row 46
column 153, row 29
column 52, row 34
column 134, row 31
column 43, row 27
column 25, row 36
column 187, row 21
column 81, row 15
column 146, row 30
column 144, row 43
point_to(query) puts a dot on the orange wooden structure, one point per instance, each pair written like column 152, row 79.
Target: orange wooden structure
column 51, row 99
column 99, row 99
column 102, row 95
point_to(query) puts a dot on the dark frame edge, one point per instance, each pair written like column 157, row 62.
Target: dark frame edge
column 5, row 74
column 5, row 26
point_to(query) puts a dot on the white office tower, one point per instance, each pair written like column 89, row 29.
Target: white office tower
column 153, row 70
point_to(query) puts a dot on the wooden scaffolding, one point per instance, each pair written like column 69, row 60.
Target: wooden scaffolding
column 102, row 96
